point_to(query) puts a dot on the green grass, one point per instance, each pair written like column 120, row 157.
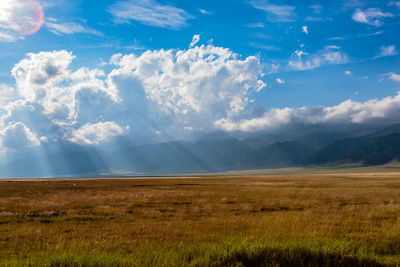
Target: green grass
column 233, row 254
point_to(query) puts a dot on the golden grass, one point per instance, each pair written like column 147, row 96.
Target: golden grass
column 163, row 220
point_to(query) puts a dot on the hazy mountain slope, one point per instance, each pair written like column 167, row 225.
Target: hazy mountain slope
column 279, row 154
column 365, row 150
column 395, row 128
column 211, row 155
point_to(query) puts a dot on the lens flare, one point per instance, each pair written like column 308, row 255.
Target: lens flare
column 23, row 16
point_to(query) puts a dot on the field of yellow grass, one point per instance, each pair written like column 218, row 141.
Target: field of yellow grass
column 320, row 219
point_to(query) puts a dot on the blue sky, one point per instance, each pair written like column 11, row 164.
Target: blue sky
column 91, row 71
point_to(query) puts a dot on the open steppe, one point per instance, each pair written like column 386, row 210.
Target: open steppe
column 347, row 217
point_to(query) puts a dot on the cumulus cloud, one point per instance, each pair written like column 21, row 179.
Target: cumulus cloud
column 305, row 29
column 346, row 112
column 150, row 12
column 44, row 78
column 195, row 40
column 16, row 135
column 386, row 51
column 171, row 93
column 371, row 16
column 48, row 97
column 193, row 86
column 160, row 92
column 96, row 133
column 347, row 72
column 277, row 13
column 61, row 28
column 40, row 71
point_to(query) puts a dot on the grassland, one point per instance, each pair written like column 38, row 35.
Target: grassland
column 308, row 219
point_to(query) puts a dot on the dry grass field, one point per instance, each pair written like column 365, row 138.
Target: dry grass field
column 332, row 219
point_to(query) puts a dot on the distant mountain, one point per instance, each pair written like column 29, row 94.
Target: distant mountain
column 365, row 146
column 367, row 150
column 279, row 154
column 395, row 128
column 183, row 157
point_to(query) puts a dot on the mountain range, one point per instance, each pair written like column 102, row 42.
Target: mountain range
column 367, row 147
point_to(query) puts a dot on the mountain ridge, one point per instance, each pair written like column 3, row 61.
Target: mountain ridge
column 213, row 155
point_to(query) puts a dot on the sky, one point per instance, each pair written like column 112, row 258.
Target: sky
column 90, row 72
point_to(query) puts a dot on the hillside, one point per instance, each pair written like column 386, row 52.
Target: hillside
column 364, row 150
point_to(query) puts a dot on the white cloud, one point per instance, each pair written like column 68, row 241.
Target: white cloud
column 394, row 77
column 393, row 3
column 272, row 67
column 149, row 12
column 40, row 72
column 353, row 3
column 264, row 46
column 256, row 25
column 48, row 4
column 7, row 93
column 345, row 37
column 61, row 28
column 333, row 47
column 16, row 135
column 317, row 8
column 318, row 18
column 369, row 34
column 346, row 112
column 6, row 89
column 371, row 16
column 205, row 12
column 52, row 99
column 330, row 55
column 161, row 92
column 164, row 92
column 305, row 29
column 192, row 86
column 45, row 78
column 336, row 38
column 95, row 133
column 278, row 13
column 299, row 53
column 335, row 57
column 195, row 40
column 386, row 51
column 347, row 72
column 9, row 37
